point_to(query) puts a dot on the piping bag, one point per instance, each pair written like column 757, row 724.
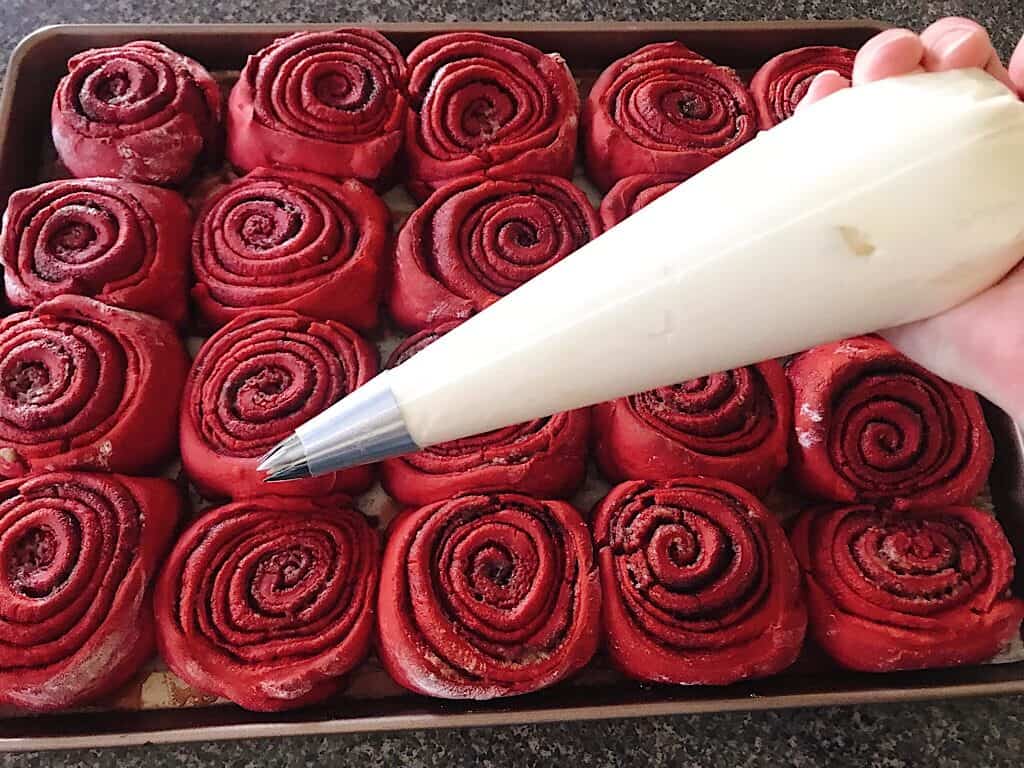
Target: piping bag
column 877, row 206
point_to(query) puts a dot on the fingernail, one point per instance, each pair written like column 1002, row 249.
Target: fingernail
column 901, row 32
column 955, row 42
column 892, row 35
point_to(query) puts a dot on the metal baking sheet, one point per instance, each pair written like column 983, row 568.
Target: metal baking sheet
column 158, row 707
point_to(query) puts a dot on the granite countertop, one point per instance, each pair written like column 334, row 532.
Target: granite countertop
column 987, row 731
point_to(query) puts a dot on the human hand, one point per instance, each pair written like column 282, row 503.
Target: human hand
column 980, row 343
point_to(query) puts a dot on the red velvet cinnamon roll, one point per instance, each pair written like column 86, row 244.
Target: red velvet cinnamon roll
column 121, row 243
column 138, row 111
column 663, row 109
column 87, row 386
column 291, row 240
column 252, row 384
column 485, row 596
column 269, row 602
column 632, row 193
column 77, row 554
column 544, row 458
column 783, row 81
column 477, row 239
column 485, row 104
column 734, row 426
column 329, row 102
column 872, row 426
column 700, row 585
column 903, row 590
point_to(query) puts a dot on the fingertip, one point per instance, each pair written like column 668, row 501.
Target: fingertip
column 888, row 54
column 958, row 48
column 944, row 26
column 999, row 72
column 824, row 84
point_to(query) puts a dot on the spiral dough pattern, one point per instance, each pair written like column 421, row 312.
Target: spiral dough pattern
column 780, row 85
column 269, row 602
column 485, row 596
column 872, row 426
column 733, row 425
column 77, row 554
column 291, row 240
column 909, row 590
column 121, row 243
column 138, row 111
column 699, row 582
column 252, row 384
column 485, row 104
column 663, row 109
column 328, row 102
column 87, row 386
column 478, row 239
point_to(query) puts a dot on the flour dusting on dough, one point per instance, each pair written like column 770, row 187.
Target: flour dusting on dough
column 810, row 413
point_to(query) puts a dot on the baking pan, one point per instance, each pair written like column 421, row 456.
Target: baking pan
column 373, row 704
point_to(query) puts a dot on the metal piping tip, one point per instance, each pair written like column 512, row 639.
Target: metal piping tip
column 266, row 457
column 294, row 472
column 362, row 428
column 285, row 453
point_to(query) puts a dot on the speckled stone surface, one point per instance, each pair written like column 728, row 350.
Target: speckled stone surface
column 974, row 732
